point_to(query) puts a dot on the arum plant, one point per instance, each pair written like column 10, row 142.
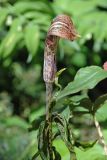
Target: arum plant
column 61, row 27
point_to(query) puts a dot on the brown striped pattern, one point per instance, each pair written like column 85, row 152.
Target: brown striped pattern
column 63, row 27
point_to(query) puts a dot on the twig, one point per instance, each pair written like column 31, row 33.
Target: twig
column 100, row 134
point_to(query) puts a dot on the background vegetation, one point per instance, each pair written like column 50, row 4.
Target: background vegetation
column 23, row 27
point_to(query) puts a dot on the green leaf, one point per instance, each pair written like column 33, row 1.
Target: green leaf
column 86, row 78
column 36, row 117
column 36, row 114
column 11, row 39
column 86, row 103
column 77, row 98
column 101, row 113
column 81, row 101
column 16, row 121
column 61, row 148
column 9, row 43
column 85, row 145
column 4, row 13
column 21, row 7
column 100, row 101
column 94, row 153
column 32, row 37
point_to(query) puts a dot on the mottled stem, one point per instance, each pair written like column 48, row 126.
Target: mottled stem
column 49, row 75
column 49, row 88
column 100, row 134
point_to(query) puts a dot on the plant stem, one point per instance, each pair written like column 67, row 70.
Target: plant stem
column 100, row 134
column 49, row 88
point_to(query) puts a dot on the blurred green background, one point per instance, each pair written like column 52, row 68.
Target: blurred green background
column 23, row 28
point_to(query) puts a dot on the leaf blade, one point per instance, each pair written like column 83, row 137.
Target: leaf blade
column 32, row 38
column 86, row 78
